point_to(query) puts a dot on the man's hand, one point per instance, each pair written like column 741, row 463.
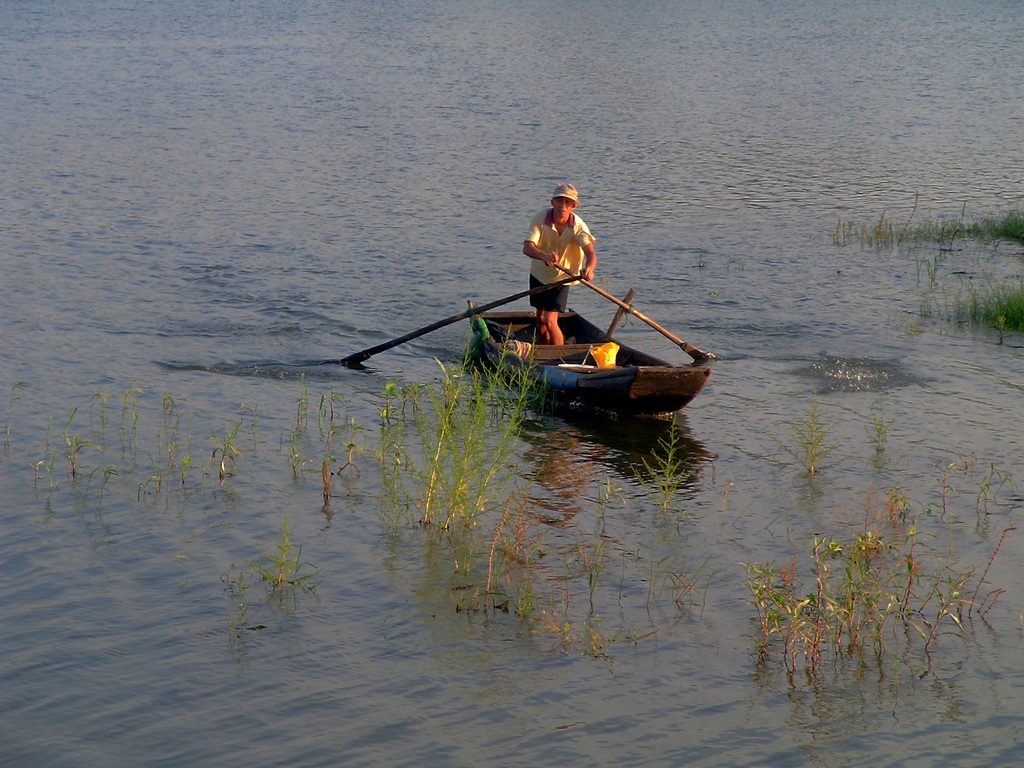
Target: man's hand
column 548, row 257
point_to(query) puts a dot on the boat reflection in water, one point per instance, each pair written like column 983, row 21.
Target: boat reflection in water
column 568, row 451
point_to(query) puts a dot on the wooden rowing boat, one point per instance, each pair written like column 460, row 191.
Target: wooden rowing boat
column 637, row 383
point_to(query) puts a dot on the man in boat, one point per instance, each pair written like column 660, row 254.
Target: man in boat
column 557, row 237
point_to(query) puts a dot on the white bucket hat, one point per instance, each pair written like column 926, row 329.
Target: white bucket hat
column 567, row 191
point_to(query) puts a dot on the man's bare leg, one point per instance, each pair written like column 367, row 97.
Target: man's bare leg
column 547, row 327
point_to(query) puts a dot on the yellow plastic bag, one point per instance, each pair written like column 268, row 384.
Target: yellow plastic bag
column 604, row 354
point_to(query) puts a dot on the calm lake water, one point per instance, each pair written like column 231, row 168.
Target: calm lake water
column 200, row 199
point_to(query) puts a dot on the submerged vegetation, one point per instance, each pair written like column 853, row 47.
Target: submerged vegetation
column 1000, row 307
column 514, row 528
column 998, row 304
column 284, row 568
column 1009, row 226
column 886, row 231
column 446, row 449
column 810, row 440
column 873, row 590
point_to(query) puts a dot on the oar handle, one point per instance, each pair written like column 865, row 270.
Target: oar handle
column 697, row 354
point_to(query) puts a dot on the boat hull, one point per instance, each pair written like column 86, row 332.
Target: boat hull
column 638, row 383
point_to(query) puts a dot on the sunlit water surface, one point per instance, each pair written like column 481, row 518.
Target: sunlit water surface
column 201, row 199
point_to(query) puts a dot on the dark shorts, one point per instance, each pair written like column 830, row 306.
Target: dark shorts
column 553, row 300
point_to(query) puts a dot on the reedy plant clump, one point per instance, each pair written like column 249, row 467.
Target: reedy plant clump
column 1008, row 225
column 1000, row 307
column 878, row 430
column 887, row 232
column 284, row 568
column 875, row 587
column 281, row 570
column 668, row 470
column 445, row 449
column 810, row 436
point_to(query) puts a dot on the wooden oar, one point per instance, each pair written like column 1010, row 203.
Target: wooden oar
column 366, row 354
column 698, row 355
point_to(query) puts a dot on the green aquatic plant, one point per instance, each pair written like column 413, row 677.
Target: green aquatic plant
column 102, row 398
column 991, row 483
column 170, row 408
column 107, row 471
column 446, row 448
column 595, row 642
column 295, row 458
column 169, row 438
column 667, row 470
column 225, row 450
column 156, row 480
column 299, row 438
column 395, row 497
column 74, row 444
column 880, row 232
column 328, row 410
column 252, row 413
column 49, row 461
column 1008, row 225
column 129, row 421
column 878, row 429
column 886, row 231
column 284, row 568
column 513, row 550
column 183, row 466
column 999, row 306
column 810, row 436
column 683, row 583
column 238, row 588
column 302, row 406
column 352, row 447
column 930, row 267
column 897, row 505
column 870, row 588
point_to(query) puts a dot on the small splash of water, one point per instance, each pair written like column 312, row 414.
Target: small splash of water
column 837, row 374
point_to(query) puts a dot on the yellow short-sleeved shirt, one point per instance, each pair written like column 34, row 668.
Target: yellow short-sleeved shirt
column 568, row 245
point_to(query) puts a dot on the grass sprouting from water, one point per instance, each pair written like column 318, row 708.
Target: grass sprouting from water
column 811, row 445
column 878, row 431
column 284, row 567
column 1000, row 307
column 879, row 587
column 666, row 472
column 886, row 231
column 445, row 449
column 1009, row 226
column 583, row 566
